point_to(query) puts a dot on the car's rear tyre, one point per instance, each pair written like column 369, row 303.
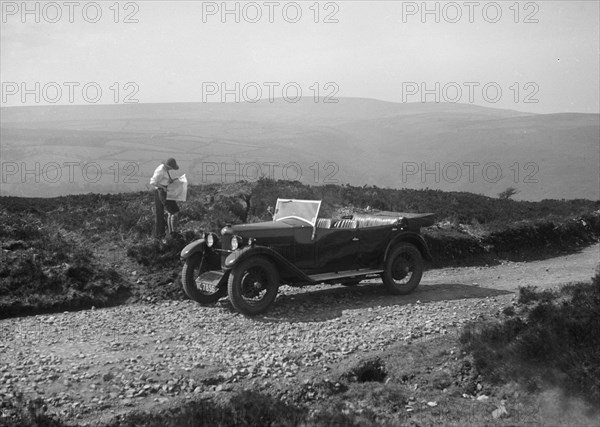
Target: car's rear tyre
column 199, row 291
column 253, row 285
column 403, row 269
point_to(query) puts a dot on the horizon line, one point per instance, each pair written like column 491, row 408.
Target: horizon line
column 263, row 101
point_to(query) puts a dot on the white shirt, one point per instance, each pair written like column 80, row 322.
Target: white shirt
column 160, row 177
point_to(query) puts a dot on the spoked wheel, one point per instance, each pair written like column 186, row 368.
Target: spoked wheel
column 253, row 285
column 194, row 287
column 403, row 269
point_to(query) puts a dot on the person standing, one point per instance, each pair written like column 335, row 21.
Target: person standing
column 160, row 180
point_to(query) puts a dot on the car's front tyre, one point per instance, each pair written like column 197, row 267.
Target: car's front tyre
column 253, row 285
column 202, row 292
column 403, row 269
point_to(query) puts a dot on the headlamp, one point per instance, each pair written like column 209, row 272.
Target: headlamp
column 235, row 242
column 210, row 240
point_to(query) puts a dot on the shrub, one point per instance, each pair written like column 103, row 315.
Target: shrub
column 367, row 371
column 28, row 412
column 508, row 193
column 529, row 294
column 559, row 340
column 51, row 272
column 245, row 408
column 155, row 254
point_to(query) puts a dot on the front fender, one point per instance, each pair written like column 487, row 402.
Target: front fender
column 248, row 251
column 196, row 246
column 286, row 268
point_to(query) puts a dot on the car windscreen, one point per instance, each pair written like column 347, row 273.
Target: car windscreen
column 306, row 210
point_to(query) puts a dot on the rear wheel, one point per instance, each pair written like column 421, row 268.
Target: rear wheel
column 403, row 269
column 253, row 285
column 194, row 287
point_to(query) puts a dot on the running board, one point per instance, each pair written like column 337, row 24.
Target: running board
column 318, row 278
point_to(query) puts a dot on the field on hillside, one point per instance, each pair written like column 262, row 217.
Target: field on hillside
column 54, row 151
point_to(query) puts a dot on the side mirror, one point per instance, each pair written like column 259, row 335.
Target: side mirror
column 270, row 210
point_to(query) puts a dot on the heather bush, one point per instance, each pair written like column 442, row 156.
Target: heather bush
column 556, row 339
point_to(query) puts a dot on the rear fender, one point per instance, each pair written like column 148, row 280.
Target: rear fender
column 286, row 268
column 413, row 238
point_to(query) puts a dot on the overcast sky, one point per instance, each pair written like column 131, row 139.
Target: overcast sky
column 383, row 50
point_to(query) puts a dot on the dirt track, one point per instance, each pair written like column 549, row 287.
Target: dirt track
column 111, row 360
column 578, row 267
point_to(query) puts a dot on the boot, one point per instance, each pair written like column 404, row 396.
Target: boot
column 173, row 224
column 173, row 219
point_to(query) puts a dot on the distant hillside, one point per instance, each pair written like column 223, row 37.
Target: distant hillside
column 453, row 147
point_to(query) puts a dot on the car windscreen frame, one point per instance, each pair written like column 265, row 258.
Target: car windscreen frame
column 281, row 214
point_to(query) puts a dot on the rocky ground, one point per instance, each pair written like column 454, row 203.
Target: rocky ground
column 96, row 364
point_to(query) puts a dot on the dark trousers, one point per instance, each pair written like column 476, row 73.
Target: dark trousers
column 159, row 218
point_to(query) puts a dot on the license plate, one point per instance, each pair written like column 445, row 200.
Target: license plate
column 211, row 276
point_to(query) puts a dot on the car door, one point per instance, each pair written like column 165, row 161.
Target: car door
column 336, row 249
column 304, row 248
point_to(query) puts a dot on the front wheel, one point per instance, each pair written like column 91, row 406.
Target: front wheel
column 194, row 287
column 403, row 269
column 253, row 285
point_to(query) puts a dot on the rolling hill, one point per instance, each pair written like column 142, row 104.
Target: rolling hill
column 57, row 150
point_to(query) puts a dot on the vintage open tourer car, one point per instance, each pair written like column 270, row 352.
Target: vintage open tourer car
column 249, row 262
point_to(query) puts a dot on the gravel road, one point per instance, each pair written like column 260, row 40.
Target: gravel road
column 108, row 360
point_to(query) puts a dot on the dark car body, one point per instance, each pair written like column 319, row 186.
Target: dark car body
column 305, row 249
